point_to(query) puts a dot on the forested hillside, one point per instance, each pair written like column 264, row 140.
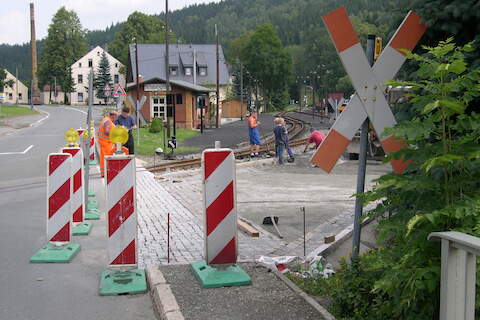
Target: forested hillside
column 298, row 24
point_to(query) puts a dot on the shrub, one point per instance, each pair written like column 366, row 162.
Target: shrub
column 156, row 126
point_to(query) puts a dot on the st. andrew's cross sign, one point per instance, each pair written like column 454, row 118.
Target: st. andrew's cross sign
column 369, row 83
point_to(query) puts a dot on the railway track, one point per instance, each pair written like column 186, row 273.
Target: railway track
column 295, row 129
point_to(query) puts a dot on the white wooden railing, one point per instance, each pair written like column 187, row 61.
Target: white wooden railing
column 457, row 286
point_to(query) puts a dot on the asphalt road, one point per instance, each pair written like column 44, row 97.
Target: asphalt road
column 49, row 291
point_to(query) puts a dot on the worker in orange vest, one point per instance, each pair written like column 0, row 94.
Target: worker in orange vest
column 106, row 146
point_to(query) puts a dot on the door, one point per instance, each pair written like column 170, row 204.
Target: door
column 158, row 107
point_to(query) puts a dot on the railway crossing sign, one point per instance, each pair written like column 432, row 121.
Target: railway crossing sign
column 369, row 100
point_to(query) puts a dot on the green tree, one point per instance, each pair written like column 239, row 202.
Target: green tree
column 437, row 192
column 102, row 77
column 3, row 82
column 68, row 83
column 65, row 44
column 142, row 27
column 269, row 63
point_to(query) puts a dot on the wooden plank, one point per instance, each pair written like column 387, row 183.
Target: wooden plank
column 247, row 228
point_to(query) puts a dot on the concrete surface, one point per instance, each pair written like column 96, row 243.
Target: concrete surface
column 50, row 291
column 267, row 298
column 282, row 190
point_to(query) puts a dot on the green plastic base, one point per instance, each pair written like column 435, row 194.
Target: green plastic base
column 91, row 193
column 54, row 254
column 118, row 282
column 93, row 162
column 211, row 277
column 82, row 229
column 92, row 215
column 92, row 204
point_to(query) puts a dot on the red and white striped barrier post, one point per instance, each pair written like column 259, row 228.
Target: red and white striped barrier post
column 122, row 228
column 220, row 222
column 92, row 148
column 81, row 139
column 59, row 212
column 80, row 227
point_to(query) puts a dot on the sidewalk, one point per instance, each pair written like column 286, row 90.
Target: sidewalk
column 11, row 124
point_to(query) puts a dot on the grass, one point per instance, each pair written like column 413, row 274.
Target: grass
column 12, row 111
column 151, row 141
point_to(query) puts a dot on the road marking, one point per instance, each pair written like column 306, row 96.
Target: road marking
column 37, row 123
column 70, row 108
column 18, row 152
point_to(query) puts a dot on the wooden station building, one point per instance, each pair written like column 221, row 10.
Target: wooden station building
column 184, row 96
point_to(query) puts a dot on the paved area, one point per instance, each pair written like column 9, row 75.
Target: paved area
column 267, row 298
column 49, row 291
column 182, row 199
column 231, row 134
column 262, row 191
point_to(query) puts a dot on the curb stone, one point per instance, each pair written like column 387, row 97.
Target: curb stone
column 164, row 302
column 325, row 314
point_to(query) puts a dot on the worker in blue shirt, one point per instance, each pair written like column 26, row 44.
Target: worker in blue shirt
column 126, row 120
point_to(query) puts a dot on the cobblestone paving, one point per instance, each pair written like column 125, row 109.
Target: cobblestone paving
column 182, row 199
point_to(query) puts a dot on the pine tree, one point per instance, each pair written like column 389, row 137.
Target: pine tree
column 68, row 83
column 102, row 77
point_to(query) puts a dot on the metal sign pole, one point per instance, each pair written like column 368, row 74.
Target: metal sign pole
column 362, row 165
column 86, row 145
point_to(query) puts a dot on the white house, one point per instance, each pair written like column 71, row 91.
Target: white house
column 81, row 69
column 18, row 89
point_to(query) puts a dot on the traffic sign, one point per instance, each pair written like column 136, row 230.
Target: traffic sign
column 369, row 101
column 107, row 91
column 172, row 143
column 119, row 91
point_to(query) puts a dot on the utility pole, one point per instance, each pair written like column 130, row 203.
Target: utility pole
column 55, row 88
column 218, row 81
column 167, row 64
column 137, row 102
column 33, row 43
column 16, row 84
column 241, row 91
column 86, row 145
column 362, row 165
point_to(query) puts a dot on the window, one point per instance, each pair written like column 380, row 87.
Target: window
column 80, row 97
column 188, row 71
column 202, row 71
column 98, row 53
column 10, row 96
column 79, row 64
column 80, row 78
column 116, row 65
column 173, row 71
column 116, row 79
column 179, row 98
column 90, row 63
column 158, row 107
column 20, row 96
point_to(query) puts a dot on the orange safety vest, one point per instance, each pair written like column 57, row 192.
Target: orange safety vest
column 102, row 135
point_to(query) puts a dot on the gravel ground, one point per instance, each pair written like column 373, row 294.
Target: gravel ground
column 267, row 298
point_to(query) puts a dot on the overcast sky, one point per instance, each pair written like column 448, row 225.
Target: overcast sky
column 94, row 14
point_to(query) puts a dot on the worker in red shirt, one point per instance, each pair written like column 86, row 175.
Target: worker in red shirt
column 316, row 137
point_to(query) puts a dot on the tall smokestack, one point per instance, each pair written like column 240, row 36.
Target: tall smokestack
column 35, row 91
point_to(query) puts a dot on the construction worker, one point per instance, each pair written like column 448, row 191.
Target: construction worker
column 106, row 146
column 254, row 134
